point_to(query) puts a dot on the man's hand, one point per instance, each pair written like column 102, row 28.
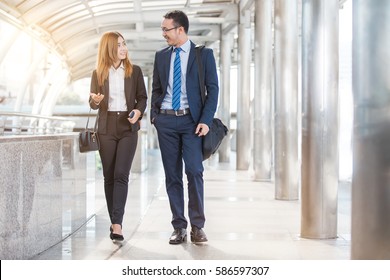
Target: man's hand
column 202, row 129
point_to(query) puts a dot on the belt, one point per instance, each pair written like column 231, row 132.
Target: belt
column 117, row 113
column 177, row 113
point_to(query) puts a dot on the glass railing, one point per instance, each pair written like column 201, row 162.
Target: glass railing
column 14, row 123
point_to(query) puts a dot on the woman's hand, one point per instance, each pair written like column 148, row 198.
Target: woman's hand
column 134, row 116
column 96, row 97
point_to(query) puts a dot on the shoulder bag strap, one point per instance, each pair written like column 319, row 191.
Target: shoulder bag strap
column 96, row 120
column 198, row 50
column 86, row 126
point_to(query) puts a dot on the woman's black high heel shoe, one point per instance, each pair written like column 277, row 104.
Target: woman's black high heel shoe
column 116, row 237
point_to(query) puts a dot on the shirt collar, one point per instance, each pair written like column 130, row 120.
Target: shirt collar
column 121, row 66
column 185, row 47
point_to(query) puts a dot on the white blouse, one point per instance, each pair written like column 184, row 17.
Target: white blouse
column 117, row 100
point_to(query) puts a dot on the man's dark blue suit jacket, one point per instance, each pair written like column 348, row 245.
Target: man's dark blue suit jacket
column 199, row 113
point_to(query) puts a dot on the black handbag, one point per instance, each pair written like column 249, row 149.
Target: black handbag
column 88, row 138
column 213, row 139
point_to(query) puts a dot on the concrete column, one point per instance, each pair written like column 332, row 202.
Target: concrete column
column 371, row 144
column 140, row 161
column 286, row 100
column 151, row 130
column 262, row 142
column 243, row 94
column 224, row 97
column 320, row 117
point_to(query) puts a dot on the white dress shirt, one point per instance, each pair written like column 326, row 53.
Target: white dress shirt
column 184, row 54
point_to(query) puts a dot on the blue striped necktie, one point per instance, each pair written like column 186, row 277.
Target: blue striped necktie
column 176, row 81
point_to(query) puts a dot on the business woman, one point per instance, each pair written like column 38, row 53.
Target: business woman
column 118, row 91
column 181, row 120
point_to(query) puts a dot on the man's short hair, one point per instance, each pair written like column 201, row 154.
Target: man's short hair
column 179, row 19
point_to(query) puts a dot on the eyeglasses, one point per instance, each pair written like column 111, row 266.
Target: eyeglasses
column 165, row 30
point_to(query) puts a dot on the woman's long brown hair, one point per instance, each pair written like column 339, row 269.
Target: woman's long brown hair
column 108, row 54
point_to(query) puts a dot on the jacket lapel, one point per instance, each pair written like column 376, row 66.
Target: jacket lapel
column 106, row 92
column 167, row 64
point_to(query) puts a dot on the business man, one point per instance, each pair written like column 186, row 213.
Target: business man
column 181, row 121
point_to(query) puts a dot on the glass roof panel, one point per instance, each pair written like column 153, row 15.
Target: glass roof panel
column 61, row 25
column 66, row 13
column 69, row 18
column 113, row 6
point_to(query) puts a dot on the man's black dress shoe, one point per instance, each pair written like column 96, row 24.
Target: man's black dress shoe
column 179, row 235
column 198, row 235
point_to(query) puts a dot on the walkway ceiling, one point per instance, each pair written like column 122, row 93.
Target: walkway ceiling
column 73, row 27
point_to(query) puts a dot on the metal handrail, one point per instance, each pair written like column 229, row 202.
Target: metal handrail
column 15, row 123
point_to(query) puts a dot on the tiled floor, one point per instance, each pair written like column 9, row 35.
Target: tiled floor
column 244, row 221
